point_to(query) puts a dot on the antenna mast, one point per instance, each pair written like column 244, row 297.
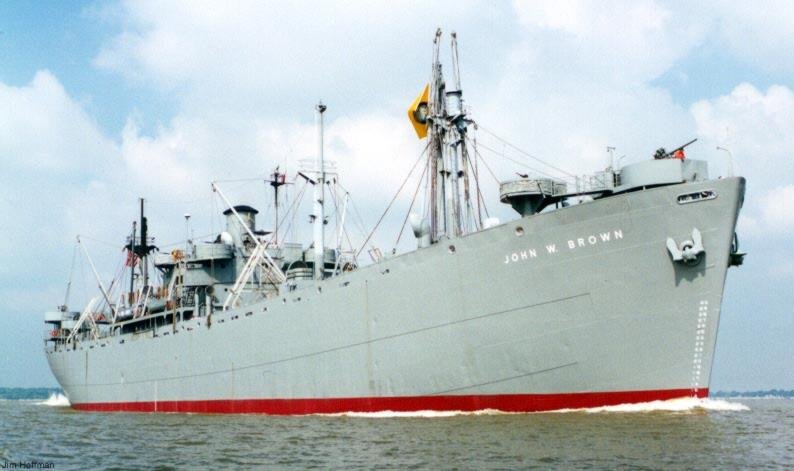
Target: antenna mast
column 319, row 200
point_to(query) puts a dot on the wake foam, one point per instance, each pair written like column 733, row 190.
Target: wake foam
column 427, row 414
column 55, row 400
column 682, row 405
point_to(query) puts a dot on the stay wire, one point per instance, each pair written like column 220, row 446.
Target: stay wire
column 518, row 149
column 393, row 199
column 357, row 219
column 517, row 162
column 477, row 182
column 295, row 202
column 413, row 200
column 487, row 167
column 71, row 276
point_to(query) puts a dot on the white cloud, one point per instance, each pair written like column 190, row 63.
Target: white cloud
column 276, row 57
column 777, row 209
column 174, row 167
column 610, row 41
column 42, row 128
column 577, row 80
column 771, row 214
column 759, row 33
column 758, row 129
column 571, row 79
column 50, row 148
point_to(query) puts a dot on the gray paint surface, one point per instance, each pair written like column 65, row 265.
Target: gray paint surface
column 586, row 299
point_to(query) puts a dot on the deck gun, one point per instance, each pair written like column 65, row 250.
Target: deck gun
column 661, row 153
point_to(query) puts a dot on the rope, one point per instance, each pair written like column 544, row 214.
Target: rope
column 236, row 180
column 518, row 162
column 392, row 200
column 481, row 199
column 294, row 203
column 71, row 276
column 182, row 242
column 358, row 219
column 413, row 200
column 115, row 246
column 477, row 153
column 537, row 159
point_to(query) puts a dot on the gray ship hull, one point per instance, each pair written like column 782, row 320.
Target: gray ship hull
column 580, row 307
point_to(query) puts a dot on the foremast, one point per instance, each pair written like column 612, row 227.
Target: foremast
column 451, row 213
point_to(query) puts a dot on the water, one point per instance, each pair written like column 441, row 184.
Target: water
column 682, row 434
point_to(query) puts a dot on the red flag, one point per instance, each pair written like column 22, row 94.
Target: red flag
column 132, row 259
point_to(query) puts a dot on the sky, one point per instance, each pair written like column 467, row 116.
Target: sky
column 104, row 102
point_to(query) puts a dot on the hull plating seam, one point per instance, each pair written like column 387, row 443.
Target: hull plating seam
column 343, row 347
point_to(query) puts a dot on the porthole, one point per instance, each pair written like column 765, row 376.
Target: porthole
column 519, row 231
column 451, row 249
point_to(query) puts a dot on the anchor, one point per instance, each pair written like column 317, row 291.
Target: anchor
column 688, row 252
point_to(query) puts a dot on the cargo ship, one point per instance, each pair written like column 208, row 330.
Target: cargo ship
column 605, row 289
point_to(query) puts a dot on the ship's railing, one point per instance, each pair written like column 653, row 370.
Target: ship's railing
column 591, row 183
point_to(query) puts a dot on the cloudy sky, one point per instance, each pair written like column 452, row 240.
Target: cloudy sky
column 102, row 102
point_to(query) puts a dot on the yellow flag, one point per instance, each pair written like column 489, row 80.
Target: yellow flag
column 417, row 113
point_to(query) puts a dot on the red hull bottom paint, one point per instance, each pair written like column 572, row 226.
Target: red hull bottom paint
column 501, row 402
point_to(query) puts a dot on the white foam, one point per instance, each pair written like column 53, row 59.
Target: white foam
column 55, row 400
column 689, row 404
column 686, row 404
column 429, row 414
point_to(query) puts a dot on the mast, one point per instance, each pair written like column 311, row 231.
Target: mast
column 277, row 181
column 435, row 152
column 454, row 106
column 319, row 199
column 447, row 124
column 132, row 254
column 144, row 249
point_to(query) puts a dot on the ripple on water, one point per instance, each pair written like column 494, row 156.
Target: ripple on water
column 706, row 435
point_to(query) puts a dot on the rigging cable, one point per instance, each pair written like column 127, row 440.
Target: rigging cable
column 413, row 200
column 109, row 244
column 480, row 198
column 358, row 219
column 518, row 162
column 297, row 200
column 487, row 167
column 537, row 159
column 393, row 199
column 71, row 275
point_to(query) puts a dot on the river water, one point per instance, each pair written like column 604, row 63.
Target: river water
column 682, row 434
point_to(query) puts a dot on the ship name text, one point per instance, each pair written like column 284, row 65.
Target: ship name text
column 568, row 245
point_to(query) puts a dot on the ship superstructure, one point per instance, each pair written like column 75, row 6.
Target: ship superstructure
column 607, row 289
